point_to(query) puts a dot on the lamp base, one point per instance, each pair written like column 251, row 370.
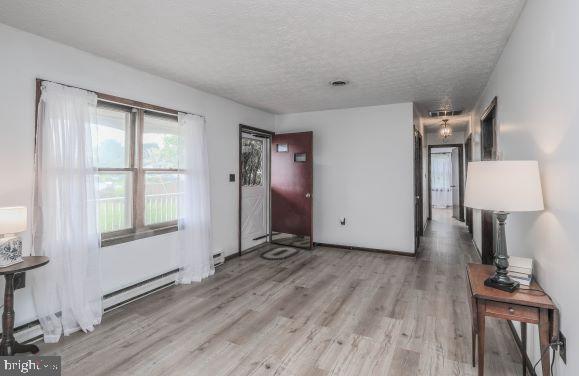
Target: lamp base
column 504, row 285
column 10, row 251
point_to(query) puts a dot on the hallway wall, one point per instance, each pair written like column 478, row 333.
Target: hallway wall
column 536, row 81
column 456, row 138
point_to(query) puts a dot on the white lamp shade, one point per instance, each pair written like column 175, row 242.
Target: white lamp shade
column 12, row 220
column 509, row 186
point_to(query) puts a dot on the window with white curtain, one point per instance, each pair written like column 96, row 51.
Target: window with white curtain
column 441, row 180
column 136, row 152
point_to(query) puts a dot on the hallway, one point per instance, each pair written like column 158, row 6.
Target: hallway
column 446, row 248
column 325, row 312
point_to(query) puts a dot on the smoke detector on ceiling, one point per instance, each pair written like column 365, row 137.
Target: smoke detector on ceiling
column 339, row 83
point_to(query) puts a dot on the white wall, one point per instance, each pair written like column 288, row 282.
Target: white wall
column 536, row 82
column 457, row 137
column 363, row 170
column 26, row 57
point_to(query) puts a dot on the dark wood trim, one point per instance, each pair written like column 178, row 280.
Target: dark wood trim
column 131, row 236
column 37, row 102
column 250, row 129
column 115, row 99
column 489, row 108
column 487, row 217
column 231, row 257
column 239, row 195
column 265, row 134
column 468, row 158
column 138, row 230
column 250, row 250
column 364, row 249
column 523, row 351
column 418, row 191
column 460, row 177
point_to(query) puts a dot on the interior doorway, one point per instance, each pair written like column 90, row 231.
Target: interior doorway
column 468, row 158
column 418, row 200
column 254, row 187
column 488, row 142
column 275, row 189
column 446, row 180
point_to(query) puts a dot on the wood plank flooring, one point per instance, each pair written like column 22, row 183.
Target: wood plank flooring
column 322, row 312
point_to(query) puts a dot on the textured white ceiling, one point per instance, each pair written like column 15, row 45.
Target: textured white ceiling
column 280, row 55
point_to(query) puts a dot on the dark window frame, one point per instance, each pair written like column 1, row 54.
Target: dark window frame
column 138, row 230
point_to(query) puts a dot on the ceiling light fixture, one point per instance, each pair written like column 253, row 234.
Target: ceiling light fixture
column 339, row 83
column 445, row 130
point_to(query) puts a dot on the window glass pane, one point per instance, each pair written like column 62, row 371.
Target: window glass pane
column 161, row 197
column 251, row 161
column 111, row 138
column 160, row 147
column 115, row 201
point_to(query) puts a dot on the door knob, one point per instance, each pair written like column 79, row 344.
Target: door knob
column 308, row 195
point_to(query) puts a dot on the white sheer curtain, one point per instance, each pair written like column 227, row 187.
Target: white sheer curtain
column 67, row 291
column 196, row 258
column 441, row 175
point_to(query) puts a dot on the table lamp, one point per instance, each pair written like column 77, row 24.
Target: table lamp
column 503, row 187
column 12, row 222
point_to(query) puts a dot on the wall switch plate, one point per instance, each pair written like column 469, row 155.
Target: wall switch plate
column 231, row 177
column 19, row 281
column 343, row 221
column 563, row 347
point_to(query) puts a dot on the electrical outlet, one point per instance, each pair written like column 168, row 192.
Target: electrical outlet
column 563, row 347
column 19, row 281
column 231, row 177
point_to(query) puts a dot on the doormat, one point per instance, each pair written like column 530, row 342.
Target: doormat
column 279, row 253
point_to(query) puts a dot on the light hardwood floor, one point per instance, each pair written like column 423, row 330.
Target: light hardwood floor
column 324, row 312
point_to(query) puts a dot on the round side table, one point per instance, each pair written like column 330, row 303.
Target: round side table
column 9, row 346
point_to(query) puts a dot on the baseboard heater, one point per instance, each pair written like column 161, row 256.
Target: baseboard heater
column 32, row 332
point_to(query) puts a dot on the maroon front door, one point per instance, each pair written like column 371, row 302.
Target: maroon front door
column 292, row 189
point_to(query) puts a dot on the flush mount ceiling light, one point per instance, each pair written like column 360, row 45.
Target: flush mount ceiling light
column 339, row 83
column 445, row 130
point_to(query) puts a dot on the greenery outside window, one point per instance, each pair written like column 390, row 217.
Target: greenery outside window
column 136, row 152
column 251, row 154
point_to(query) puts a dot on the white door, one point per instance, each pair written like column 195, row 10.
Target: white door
column 254, row 177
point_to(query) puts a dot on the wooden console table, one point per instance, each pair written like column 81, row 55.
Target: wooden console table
column 530, row 306
column 9, row 346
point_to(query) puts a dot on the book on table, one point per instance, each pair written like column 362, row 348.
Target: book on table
column 521, row 270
